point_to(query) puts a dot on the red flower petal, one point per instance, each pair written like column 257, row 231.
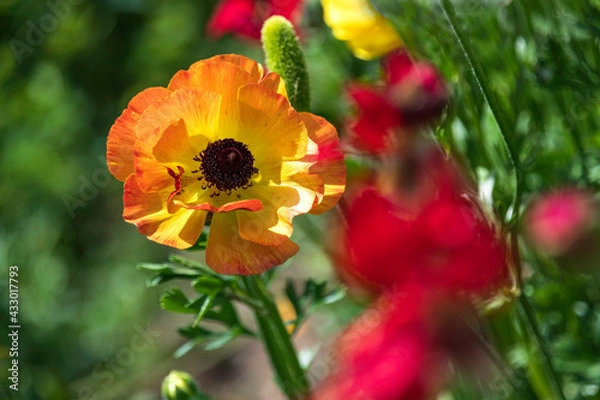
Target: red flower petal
column 396, row 66
column 246, row 17
column 233, row 16
column 376, row 118
column 394, row 350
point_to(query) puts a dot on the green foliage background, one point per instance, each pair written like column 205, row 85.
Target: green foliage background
column 82, row 299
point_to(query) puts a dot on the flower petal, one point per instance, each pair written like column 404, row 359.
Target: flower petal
column 274, row 82
column 375, row 120
column 230, row 16
column 247, row 64
column 122, row 135
column 246, row 17
column 148, row 211
column 253, row 205
column 162, row 134
column 368, row 34
column 224, row 78
column 228, row 253
column 190, row 78
column 329, row 163
column 269, row 125
column 281, row 203
column 379, row 39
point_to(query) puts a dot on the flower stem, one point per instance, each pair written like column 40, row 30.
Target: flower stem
column 532, row 329
column 289, row 374
column 479, row 74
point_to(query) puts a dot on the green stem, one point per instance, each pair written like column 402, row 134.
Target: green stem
column 532, row 328
column 479, row 74
column 528, row 318
column 290, row 375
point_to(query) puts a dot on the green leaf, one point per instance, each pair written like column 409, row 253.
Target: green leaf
column 194, row 332
column 208, row 284
column 200, row 268
column 290, row 291
column 208, row 300
column 186, row 348
column 210, row 340
column 335, row 295
column 315, row 294
column 222, row 339
column 224, row 312
column 174, row 300
column 285, row 57
column 166, row 272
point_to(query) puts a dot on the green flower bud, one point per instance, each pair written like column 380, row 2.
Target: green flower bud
column 285, row 57
column 180, row 385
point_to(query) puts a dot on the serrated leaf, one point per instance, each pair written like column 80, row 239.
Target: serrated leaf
column 174, row 300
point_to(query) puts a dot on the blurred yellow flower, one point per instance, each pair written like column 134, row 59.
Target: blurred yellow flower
column 367, row 33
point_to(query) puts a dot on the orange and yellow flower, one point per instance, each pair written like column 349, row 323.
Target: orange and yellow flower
column 221, row 145
column 368, row 34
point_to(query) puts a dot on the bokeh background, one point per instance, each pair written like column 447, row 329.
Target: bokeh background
column 91, row 329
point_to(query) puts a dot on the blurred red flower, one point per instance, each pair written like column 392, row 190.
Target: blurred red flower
column 565, row 224
column 413, row 93
column 435, row 234
column 400, row 348
column 556, row 220
column 246, row 17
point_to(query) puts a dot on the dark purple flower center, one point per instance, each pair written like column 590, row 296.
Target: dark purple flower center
column 227, row 165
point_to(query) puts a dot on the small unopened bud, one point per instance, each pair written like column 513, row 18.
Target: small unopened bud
column 285, row 57
column 180, row 385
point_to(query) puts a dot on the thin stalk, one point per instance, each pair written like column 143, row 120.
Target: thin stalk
column 506, row 131
column 290, row 375
column 496, row 360
column 531, row 326
column 484, row 85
